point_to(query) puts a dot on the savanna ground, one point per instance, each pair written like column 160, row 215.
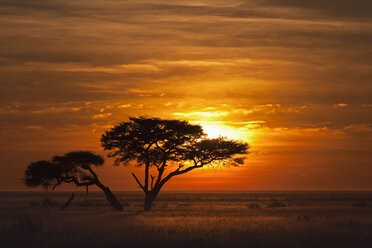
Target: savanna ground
column 261, row 219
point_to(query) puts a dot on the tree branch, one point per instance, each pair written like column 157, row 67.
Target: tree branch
column 152, row 181
column 147, row 176
column 147, row 167
column 160, row 174
column 96, row 180
column 178, row 172
column 56, row 184
column 157, row 166
column 139, row 183
column 157, row 145
column 93, row 173
column 74, row 180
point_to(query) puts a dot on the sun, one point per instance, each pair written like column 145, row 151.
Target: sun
column 220, row 130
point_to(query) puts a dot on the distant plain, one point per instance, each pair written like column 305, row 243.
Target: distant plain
column 196, row 219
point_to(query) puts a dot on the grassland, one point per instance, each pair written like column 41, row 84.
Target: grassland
column 279, row 219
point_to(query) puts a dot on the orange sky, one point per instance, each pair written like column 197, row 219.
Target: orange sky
column 292, row 78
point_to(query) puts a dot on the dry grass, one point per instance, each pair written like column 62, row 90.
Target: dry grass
column 190, row 220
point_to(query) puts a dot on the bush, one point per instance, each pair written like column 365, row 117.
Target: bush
column 253, row 205
column 276, row 204
column 361, row 205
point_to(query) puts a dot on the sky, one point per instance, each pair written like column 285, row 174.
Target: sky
column 291, row 78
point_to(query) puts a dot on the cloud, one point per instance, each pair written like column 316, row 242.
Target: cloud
column 201, row 114
column 292, row 77
column 102, row 116
column 339, row 8
column 340, row 105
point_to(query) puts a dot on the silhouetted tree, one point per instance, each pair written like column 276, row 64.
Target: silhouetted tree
column 158, row 144
column 73, row 167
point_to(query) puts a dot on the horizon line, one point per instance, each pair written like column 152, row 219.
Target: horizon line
column 193, row 191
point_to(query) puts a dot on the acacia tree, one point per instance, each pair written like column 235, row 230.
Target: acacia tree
column 72, row 167
column 161, row 144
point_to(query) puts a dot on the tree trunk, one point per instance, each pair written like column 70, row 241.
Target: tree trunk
column 110, row 197
column 148, row 201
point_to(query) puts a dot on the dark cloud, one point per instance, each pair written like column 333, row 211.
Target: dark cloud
column 339, row 8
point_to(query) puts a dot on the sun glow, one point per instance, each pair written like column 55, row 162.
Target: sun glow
column 218, row 130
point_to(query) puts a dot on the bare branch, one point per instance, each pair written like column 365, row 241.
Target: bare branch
column 157, row 166
column 139, row 183
column 152, row 181
column 147, row 168
column 56, row 184
column 178, row 172
column 160, row 174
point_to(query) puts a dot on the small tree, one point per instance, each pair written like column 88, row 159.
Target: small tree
column 161, row 144
column 73, row 167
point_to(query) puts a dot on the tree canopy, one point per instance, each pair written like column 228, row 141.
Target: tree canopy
column 73, row 167
column 42, row 173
